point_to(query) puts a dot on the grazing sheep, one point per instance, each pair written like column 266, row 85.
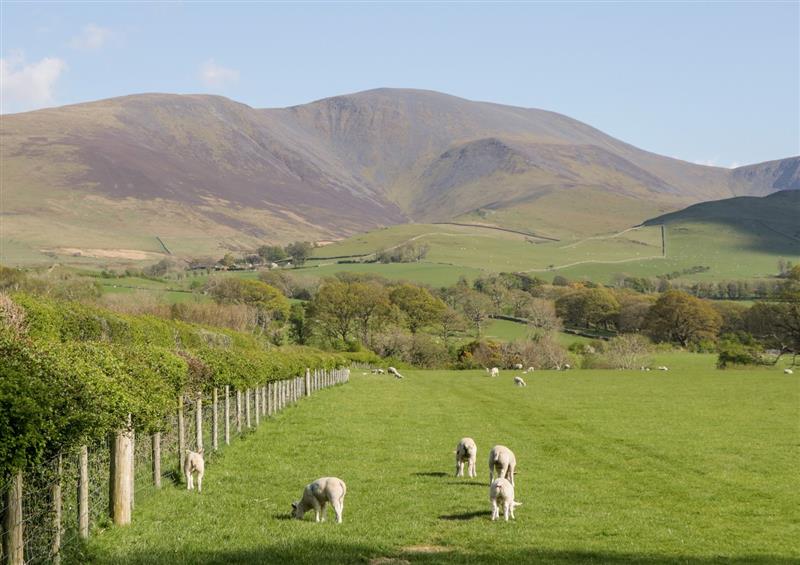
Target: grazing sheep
column 663, row 368
column 466, row 452
column 528, row 370
column 502, row 491
column 493, row 372
column 395, row 372
column 788, row 372
column 193, row 462
column 518, row 366
column 502, row 460
column 567, row 366
column 378, row 371
column 319, row 493
column 519, row 381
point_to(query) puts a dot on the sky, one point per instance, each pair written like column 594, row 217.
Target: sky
column 712, row 83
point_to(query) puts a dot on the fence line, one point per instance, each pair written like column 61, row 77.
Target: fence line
column 47, row 511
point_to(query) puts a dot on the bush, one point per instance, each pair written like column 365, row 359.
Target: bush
column 628, row 351
column 739, row 349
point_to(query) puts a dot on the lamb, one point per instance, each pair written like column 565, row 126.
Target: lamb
column 466, row 451
column 493, row 372
column 518, row 366
column 519, row 381
column 567, row 366
column 502, row 460
column 395, row 372
column 528, row 370
column 193, row 462
column 502, row 491
column 317, row 494
column 377, row 371
column 788, row 372
column 663, row 368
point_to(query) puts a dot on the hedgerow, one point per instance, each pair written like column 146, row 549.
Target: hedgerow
column 71, row 373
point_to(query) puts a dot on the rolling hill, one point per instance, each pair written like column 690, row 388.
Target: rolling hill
column 204, row 173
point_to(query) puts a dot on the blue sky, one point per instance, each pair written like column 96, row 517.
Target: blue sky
column 714, row 83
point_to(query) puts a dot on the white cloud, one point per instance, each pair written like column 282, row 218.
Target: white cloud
column 25, row 86
column 92, row 37
column 217, row 76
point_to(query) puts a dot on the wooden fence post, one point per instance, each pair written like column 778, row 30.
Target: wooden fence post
column 198, row 421
column 269, row 399
column 227, row 415
column 214, row 420
column 264, row 400
column 181, row 436
column 83, row 493
column 247, row 406
column 156, row 439
column 55, row 548
column 119, row 499
column 257, row 392
column 238, row 411
column 132, row 474
column 13, row 542
column 308, row 381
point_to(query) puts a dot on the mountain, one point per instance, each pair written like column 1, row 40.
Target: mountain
column 195, row 174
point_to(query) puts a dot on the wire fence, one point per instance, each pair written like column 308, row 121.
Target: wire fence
column 41, row 510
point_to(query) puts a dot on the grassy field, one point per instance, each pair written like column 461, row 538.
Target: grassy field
column 693, row 466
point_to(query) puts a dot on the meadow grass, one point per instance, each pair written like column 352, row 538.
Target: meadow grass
column 693, row 465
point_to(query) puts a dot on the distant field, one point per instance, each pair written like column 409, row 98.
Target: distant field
column 693, row 466
column 729, row 253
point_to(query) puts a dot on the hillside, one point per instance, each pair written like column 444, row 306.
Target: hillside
column 104, row 180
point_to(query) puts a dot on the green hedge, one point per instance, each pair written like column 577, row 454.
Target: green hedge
column 72, row 373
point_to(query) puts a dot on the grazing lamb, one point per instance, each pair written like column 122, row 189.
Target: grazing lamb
column 395, row 372
column 501, row 492
column 466, row 452
column 519, row 381
column 528, row 370
column 493, row 372
column 788, row 372
column 319, row 493
column 663, row 368
column 377, row 371
column 567, row 366
column 193, row 462
column 502, row 460
column 518, row 366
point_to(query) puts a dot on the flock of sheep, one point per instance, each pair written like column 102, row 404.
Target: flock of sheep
column 317, row 495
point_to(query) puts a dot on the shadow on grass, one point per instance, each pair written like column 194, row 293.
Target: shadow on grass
column 468, row 484
column 430, row 474
column 466, row 515
column 328, row 552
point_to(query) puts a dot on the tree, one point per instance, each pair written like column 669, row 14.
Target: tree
column 628, row 351
column 678, row 317
column 450, row 322
column 299, row 251
column 345, row 309
column 272, row 253
column 542, row 318
column 269, row 303
column 228, row 260
column 418, row 306
column 588, row 307
column 476, row 307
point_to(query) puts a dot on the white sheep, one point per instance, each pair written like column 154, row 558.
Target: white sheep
column 317, row 494
column 501, row 492
column 502, row 460
column 528, row 370
column 567, row 366
column 788, row 372
column 518, row 366
column 519, row 381
column 377, row 371
column 466, row 452
column 395, row 372
column 493, row 372
column 663, row 368
column 193, row 463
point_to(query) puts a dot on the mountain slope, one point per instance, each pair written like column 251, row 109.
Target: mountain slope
column 205, row 173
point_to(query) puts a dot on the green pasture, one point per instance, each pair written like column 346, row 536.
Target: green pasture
column 693, row 465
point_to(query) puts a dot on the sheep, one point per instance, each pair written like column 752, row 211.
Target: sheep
column 528, row 370
column 502, row 491
column 519, row 381
column 567, row 366
column 193, row 462
column 317, row 494
column 378, row 371
column 502, row 460
column 788, row 372
column 466, row 451
column 395, row 372
column 493, row 372
column 663, row 368
column 518, row 366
